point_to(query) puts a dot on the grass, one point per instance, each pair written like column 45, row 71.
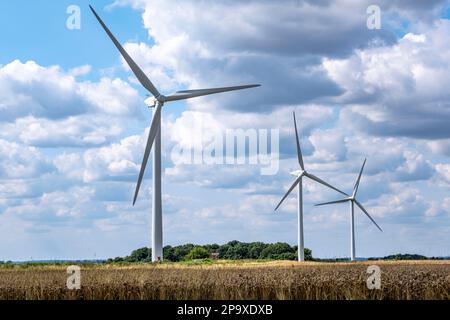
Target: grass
column 207, row 279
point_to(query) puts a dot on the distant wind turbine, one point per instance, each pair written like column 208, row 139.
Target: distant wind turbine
column 352, row 199
column 154, row 137
column 299, row 181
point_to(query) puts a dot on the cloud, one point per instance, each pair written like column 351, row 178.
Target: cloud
column 311, row 27
column 441, row 146
column 29, row 89
column 438, row 209
column 60, row 207
column 118, row 161
column 398, row 90
column 18, row 162
column 48, row 107
column 414, row 168
column 80, row 71
column 79, row 131
column 401, row 206
column 329, row 145
column 415, row 10
column 195, row 130
column 443, row 171
column 283, row 54
column 112, row 97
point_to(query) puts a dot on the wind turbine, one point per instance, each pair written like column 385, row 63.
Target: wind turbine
column 352, row 199
column 299, row 181
column 154, row 137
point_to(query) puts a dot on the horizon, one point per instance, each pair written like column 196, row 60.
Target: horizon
column 105, row 259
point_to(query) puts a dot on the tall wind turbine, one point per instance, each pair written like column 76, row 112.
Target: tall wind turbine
column 154, row 138
column 352, row 199
column 299, row 181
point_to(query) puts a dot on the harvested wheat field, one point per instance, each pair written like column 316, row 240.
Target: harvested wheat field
column 248, row 280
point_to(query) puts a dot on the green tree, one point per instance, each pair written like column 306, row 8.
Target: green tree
column 255, row 250
column 211, row 247
column 180, row 252
column 233, row 243
column 139, row 255
column 238, row 251
column 286, row 256
column 231, row 250
column 223, row 251
column 198, row 253
column 169, row 254
column 273, row 251
column 308, row 254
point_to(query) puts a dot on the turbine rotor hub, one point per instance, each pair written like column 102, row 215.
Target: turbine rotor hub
column 161, row 98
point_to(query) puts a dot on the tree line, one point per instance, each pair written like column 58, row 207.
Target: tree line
column 233, row 250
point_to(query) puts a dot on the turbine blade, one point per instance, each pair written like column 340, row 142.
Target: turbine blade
column 140, row 75
column 355, row 189
column 299, row 150
column 367, row 214
column 296, row 182
column 188, row 94
column 317, row 179
column 332, row 202
column 151, row 137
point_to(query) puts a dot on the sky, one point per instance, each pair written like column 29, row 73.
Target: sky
column 73, row 124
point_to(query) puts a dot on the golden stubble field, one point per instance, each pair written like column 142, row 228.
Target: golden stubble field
column 228, row 280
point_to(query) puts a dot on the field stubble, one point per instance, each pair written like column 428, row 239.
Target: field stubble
column 273, row 280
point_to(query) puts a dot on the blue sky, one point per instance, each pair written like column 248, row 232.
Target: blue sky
column 36, row 31
column 73, row 124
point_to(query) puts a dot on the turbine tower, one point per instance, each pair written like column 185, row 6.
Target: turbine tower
column 154, row 138
column 299, row 181
column 352, row 199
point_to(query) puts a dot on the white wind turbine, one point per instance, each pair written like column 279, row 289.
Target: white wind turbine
column 299, row 181
column 154, row 137
column 352, row 199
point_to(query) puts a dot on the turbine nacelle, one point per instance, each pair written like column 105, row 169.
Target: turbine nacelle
column 151, row 102
column 297, row 173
